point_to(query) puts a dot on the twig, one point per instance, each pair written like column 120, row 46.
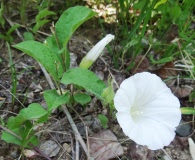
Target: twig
column 12, row 24
column 77, row 150
column 47, row 76
column 167, row 154
column 76, row 132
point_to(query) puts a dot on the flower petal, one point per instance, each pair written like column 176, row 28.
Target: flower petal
column 155, row 135
column 164, row 109
column 94, row 53
column 125, row 117
column 148, row 112
column 148, row 86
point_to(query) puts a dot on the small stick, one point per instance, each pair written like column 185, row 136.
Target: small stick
column 77, row 150
column 76, row 132
column 47, row 76
column 12, row 24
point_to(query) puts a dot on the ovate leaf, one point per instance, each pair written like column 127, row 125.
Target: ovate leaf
column 108, row 94
column 70, row 20
column 9, row 138
column 33, row 112
column 44, row 55
column 82, row 98
column 54, row 100
column 16, row 122
column 85, row 79
column 175, row 12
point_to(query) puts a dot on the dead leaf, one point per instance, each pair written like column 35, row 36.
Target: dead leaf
column 181, row 92
column 180, row 143
column 141, row 64
column 167, row 71
column 172, row 33
column 50, row 148
column 138, row 152
column 104, row 145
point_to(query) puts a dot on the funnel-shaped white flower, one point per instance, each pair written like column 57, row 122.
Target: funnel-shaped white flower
column 94, row 53
column 148, row 112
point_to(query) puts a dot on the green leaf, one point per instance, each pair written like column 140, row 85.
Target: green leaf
column 33, row 112
column 28, row 36
column 54, row 100
column 33, row 140
column 39, row 25
column 175, row 12
column 44, row 13
column 70, row 20
column 159, row 3
column 16, row 122
column 85, row 79
column 44, row 55
column 187, row 110
column 108, row 94
column 82, row 98
column 9, row 138
column 161, row 61
column 13, row 28
column 44, row 118
column 104, row 120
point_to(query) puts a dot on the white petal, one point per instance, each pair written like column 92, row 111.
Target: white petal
column 94, row 53
column 164, row 109
column 128, row 86
column 124, row 105
column 155, row 135
column 125, row 96
column 125, row 117
column 148, row 87
column 148, row 112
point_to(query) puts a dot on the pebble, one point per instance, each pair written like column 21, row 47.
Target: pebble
column 184, row 129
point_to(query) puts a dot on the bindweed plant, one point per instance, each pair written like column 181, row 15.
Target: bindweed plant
column 54, row 56
column 143, row 102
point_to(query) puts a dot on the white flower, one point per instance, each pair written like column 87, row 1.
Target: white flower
column 94, row 53
column 148, row 112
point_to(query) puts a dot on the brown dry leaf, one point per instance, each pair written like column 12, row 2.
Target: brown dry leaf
column 167, row 71
column 138, row 152
column 181, row 92
column 104, row 145
column 180, row 143
column 141, row 64
column 50, row 148
column 172, row 33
